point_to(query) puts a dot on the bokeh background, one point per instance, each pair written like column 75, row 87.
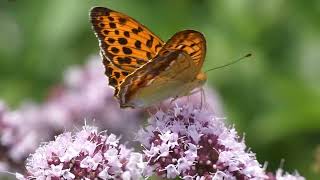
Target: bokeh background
column 273, row 97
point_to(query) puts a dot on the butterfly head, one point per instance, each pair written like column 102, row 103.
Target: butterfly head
column 201, row 78
column 196, row 83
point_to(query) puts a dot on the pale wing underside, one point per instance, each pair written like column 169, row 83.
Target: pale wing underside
column 166, row 76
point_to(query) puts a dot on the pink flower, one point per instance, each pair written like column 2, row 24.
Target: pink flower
column 86, row 154
column 191, row 143
column 280, row 175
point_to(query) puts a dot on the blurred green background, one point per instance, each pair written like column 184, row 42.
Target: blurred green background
column 274, row 97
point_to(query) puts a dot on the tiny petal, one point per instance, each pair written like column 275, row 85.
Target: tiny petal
column 68, row 175
column 112, row 140
column 126, row 175
column 281, row 175
column 104, row 174
column 19, row 176
column 172, row 171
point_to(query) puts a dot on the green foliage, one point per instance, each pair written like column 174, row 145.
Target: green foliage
column 274, row 97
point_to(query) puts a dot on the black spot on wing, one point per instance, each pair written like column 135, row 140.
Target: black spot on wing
column 126, row 50
column 122, row 41
column 112, row 25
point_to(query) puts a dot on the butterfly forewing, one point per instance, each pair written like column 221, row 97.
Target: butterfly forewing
column 116, row 75
column 124, row 41
column 190, row 41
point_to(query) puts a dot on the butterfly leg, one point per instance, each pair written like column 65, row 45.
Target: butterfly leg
column 173, row 99
column 150, row 111
column 154, row 109
column 203, row 98
column 192, row 93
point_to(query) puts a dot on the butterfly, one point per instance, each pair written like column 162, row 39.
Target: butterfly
column 143, row 69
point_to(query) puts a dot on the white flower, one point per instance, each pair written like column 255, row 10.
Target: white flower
column 91, row 163
column 183, row 164
column 112, row 140
column 55, row 170
column 192, row 152
column 19, row 176
column 104, row 174
column 172, row 171
column 281, row 175
column 153, row 151
column 126, row 175
column 70, row 153
column 89, row 147
column 194, row 133
column 164, row 150
column 67, row 174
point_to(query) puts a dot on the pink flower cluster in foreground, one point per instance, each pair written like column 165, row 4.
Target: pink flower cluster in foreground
column 85, row 155
column 191, row 143
column 182, row 142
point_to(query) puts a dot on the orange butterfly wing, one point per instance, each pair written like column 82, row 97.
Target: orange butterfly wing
column 124, row 41
column 190, row 41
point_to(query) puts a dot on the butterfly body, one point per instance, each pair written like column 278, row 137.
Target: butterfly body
column 140, row 66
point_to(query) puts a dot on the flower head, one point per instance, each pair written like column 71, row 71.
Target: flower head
column 84, row 155
column 191, row 143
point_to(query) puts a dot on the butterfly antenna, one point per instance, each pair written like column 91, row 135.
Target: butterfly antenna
column 230, row 63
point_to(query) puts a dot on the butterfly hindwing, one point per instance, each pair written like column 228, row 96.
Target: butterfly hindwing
column 124, row 41
column 190, row 41
column 171, row 70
